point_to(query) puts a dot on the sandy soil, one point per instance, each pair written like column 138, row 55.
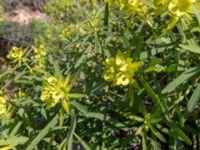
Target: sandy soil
column 24, row 15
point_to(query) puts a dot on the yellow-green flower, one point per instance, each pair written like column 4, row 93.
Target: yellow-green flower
column 180, row 7
column 135, row 6
column 130, row 6
column 71, row 30
column 177, row 8
column 4, row 113
column 135, row 3
column 2, row 105
column 64, row 34
column 40, row 51
column 56, row 89
column 16, row 55
column 120, row 70
column 161, row 6
column 39, row 55
column 19, row 96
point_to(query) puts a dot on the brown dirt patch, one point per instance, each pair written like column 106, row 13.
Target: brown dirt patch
column 24, row 15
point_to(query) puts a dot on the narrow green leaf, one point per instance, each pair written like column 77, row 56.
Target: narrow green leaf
column 26, row 82
column 14, row 140
column 150, row 3
column 65, row 105
column 4, row 74
column 154, row 143
column 126, row 43
column 80, row 60
column 182, row 135
column 76, row 95
column 62, row 144
column 157, row 133
column 139, row 130
column 108, row 119
column 17, row 127
column 184, row 77
column 98, row 87
column 7, row 72
column 191, row 48
column 133, row 117
column 181, row 116
column 196, row 11
column 106, row 14
column 194, row 99
column 130, row 95
column 56, row 66
column 50, row 142
column 83, row 143
column 72, row 130
column 43, row 133
column 144, row 141
column 80, row 107
column 67, row 79
column 153, row 52
column 96, row 41
column 154, row 120
column 150, row 91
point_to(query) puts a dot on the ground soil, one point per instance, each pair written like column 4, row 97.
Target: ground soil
column 24, row 15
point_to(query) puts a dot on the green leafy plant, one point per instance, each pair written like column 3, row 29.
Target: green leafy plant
column 122, row 75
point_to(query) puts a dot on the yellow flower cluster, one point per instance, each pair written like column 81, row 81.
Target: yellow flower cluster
column 181, row 7
column 133, row 6
column 64, row 34
column 55, row 90
column 120, row 70
column 2, row 105
column 161, row 6
column 16, row 55
column 176, row 8
column 39, row 55
column 130, row 6
column 70, row 31
column 3, row 108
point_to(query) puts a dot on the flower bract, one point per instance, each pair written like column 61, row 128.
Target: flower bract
column 17, row 55
column 120, row 70
column 57, row 90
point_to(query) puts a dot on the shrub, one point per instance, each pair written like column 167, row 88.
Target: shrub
column 122, row 75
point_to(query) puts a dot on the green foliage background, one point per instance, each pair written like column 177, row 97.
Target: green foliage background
column 163, row 113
